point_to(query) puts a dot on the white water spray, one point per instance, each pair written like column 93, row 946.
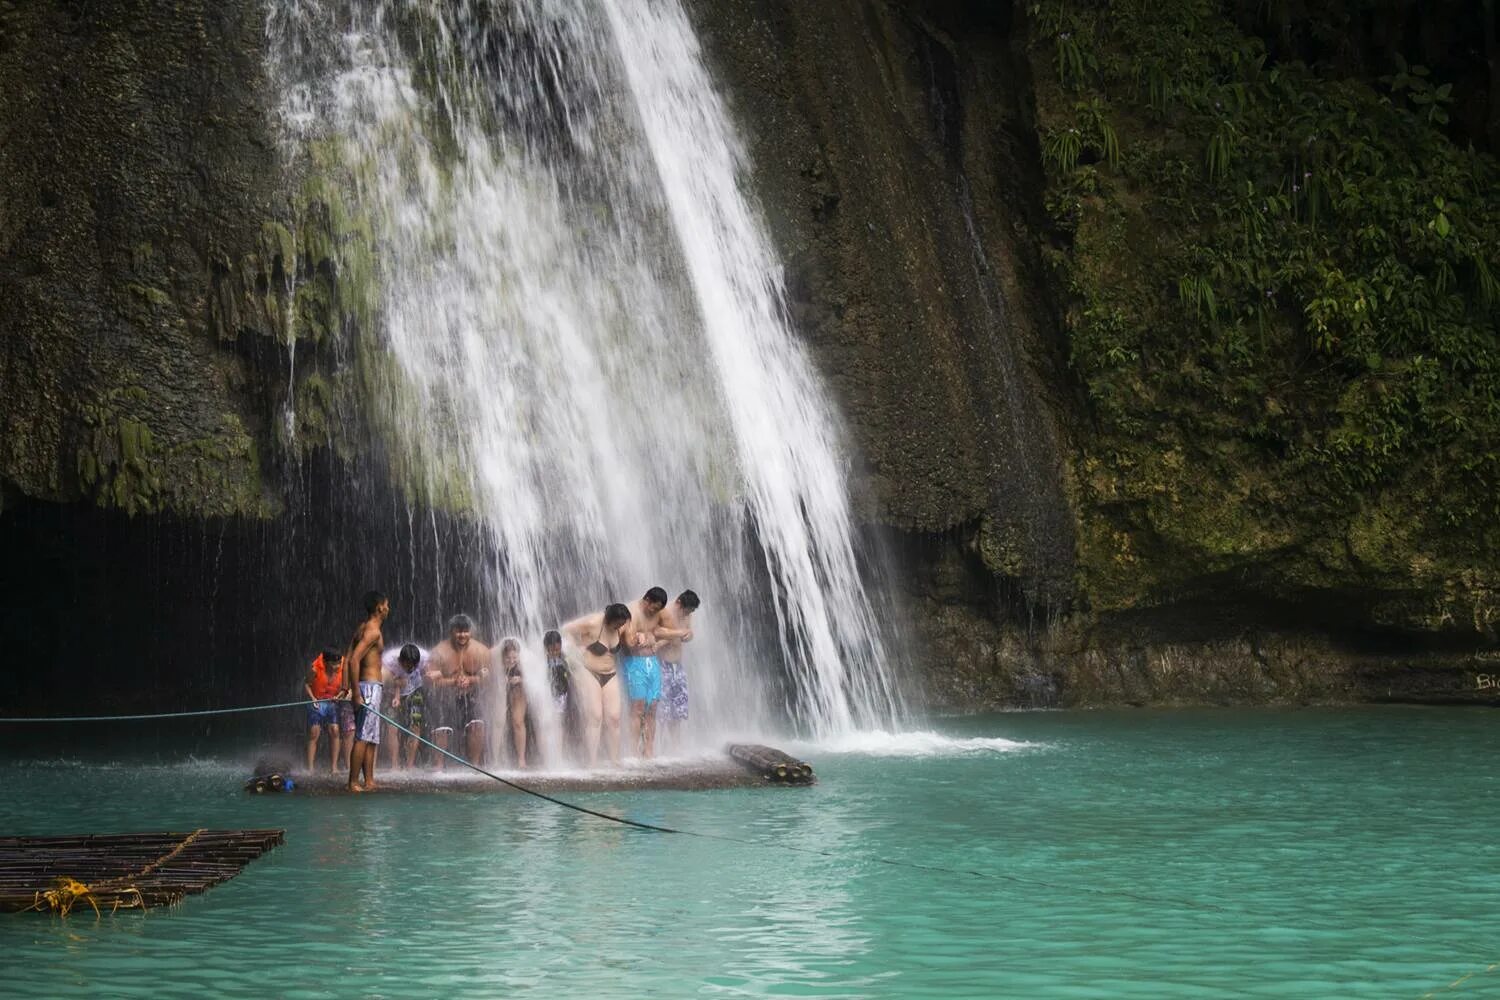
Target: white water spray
column 585, row 340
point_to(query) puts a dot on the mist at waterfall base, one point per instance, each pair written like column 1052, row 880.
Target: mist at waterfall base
column 581, row 346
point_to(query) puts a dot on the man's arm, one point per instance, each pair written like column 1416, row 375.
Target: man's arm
column 307, row 684
column 437, row 675
column 640, row 640
column 666, row 628
column 393, row 682
column 483, row 657
column 577, row 631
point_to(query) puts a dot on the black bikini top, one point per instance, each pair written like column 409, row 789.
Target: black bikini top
column 600, row 649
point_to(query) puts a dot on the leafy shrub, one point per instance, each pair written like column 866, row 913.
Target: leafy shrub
column 1245, row 235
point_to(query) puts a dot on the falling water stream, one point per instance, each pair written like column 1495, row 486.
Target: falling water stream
column 583, row 343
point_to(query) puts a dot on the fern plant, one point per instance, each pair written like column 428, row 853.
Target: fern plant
column 1062, row 148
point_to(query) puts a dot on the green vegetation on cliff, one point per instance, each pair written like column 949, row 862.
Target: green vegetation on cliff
column 1282, row 293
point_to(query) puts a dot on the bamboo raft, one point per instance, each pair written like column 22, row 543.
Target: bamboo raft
column 772, row 764
column 122, row 871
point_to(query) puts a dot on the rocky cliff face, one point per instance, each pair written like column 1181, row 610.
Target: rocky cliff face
column 894, row 159
column 175, row 290
column 173, row 286
column 136, row 162
column 1055, row 551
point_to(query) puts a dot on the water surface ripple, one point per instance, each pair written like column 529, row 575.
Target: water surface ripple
column 1352, row 854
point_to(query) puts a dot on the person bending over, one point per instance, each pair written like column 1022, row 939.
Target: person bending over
column 515, row 697
column 674, row 629
column 405, row 674
column 323, row 686
column 643, row 670
column 596, row 685
column 362, row 665
column 557, row 679
column 461, row 664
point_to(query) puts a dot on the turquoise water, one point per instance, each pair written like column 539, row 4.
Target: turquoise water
column 1350, row 853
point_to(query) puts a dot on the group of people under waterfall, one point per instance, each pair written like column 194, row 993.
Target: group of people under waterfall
column 597, row 665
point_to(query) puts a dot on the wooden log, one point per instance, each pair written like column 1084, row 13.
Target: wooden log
column 771, row 764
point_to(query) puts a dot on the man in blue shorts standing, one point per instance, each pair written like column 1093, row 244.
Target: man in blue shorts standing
column 643, row 670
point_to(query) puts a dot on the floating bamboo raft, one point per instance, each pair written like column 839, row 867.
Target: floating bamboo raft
column 772, row 764
column 119, row 871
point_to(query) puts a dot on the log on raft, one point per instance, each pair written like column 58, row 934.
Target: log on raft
column 122, row 871
column 772, row 764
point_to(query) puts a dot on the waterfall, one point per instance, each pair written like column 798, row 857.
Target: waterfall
column 582, row 342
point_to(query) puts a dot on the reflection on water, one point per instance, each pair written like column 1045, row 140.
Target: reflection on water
column 1350, row 853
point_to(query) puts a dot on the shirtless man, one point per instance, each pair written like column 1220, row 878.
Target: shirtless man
column 515, row 697
column 460, row 671
column 596, row 686
column 674, row 629
column 362, row 663
column 643, row 670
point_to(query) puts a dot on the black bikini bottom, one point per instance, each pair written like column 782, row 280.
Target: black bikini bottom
column 603, row 679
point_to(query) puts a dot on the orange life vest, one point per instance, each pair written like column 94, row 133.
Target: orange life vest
column 326, row 684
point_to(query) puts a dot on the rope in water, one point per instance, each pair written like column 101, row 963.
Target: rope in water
column 158, row 715
column 656, row 828
column 522, row 788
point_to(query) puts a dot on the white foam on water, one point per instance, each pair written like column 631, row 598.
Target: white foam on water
column 878, row 743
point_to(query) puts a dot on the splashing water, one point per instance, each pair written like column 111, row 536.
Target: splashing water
column 875, row 743
column 585, row 346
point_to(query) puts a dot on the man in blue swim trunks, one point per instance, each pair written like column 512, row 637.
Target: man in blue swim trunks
column 675, row 628
column 643, row 670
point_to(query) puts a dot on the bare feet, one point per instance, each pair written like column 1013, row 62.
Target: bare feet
column 355, row 788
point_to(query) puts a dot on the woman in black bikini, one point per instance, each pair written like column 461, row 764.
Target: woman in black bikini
column 597, row 637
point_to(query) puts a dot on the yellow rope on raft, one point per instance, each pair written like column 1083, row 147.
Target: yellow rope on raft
column 66, row 891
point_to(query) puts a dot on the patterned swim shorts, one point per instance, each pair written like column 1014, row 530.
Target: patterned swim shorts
column 674, row 692
column 366, row 722
column 412, row 710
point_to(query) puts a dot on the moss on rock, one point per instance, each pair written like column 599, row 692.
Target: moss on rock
column 1229, row 242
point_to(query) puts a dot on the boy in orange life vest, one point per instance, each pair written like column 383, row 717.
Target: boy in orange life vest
column 324, row 685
